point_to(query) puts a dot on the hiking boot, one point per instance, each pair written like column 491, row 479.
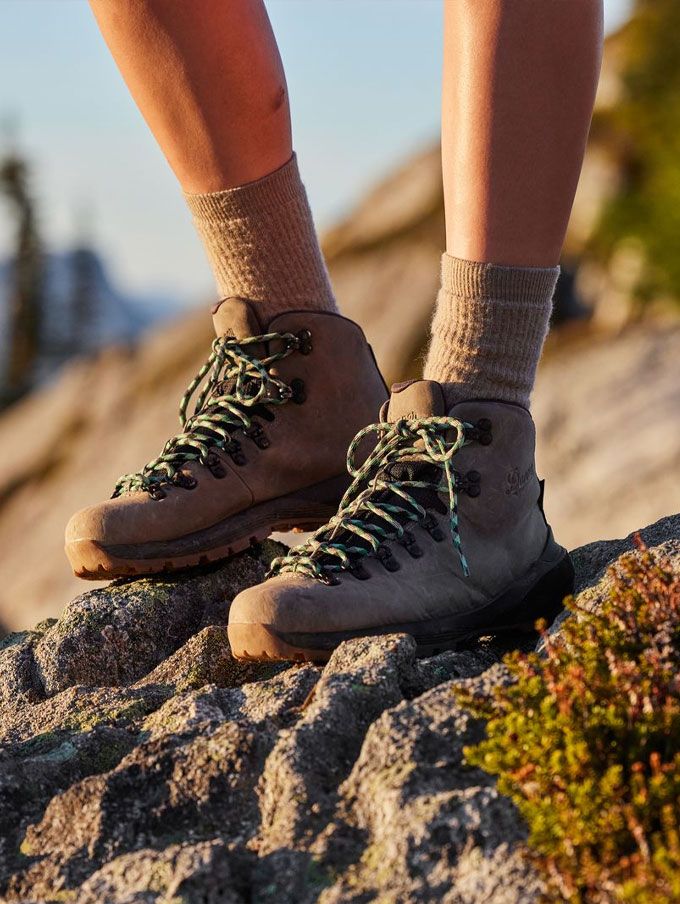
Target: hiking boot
column 441, row 535
column 263, row 449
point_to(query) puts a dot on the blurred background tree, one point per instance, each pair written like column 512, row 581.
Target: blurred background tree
column 643, row 131
column 25, row 307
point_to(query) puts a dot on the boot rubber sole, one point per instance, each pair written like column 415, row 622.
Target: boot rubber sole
column 304, row 510
column 539, row 594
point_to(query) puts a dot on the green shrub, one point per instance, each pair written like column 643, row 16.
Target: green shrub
column 585, row 740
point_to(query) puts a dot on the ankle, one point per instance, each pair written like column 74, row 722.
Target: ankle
column 262, row 245
column 488, row 330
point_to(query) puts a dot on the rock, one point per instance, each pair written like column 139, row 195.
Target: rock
column 154, row 769
column 119, row 633
column 608, row 445
column 18, row 671
column 361, row 680
column 592, row 561
column 418, row 806
column 205, row 659
column 192, row 872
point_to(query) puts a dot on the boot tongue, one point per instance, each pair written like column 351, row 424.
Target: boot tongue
column 236, row 317
column 410, row 401
column 416, row 399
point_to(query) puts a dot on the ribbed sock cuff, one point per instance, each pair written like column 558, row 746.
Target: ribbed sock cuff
column 475, row 280
column 262, row 245
column 280, row 188
column 488, row 329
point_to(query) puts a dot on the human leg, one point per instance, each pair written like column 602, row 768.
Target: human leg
column 288, row 381
column 442, row 534
column 208, row 79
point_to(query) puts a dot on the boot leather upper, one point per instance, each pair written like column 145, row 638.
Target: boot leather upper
column 503, row 532
column 308, row 441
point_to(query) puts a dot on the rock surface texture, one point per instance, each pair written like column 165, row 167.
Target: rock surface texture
column 140, row 763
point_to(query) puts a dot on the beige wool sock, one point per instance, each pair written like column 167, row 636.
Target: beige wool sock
column 488, row 330
column 262, row 245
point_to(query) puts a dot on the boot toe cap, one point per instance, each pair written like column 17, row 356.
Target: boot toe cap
column 107, row 522
column 86, row 524
column 282, row 602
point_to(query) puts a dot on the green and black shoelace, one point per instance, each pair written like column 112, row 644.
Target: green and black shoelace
column 381, row 502
column 239, row 385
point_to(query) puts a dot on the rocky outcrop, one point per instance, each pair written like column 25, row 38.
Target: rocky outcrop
column 140, row 763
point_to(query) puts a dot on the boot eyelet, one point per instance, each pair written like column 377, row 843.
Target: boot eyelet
column 330, row 580
column 185, row 481
column 233, row 450
column 483, row 429
column 258, row 436
column 359, row 572
column 156, row 492
column 305, row 340
column 408, row 541
column 430, row 525
column 215, row 466
column 469, row 484
column 386, row 559
column 299, row 396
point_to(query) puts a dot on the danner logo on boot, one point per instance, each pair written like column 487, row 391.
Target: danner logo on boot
column 516, row 480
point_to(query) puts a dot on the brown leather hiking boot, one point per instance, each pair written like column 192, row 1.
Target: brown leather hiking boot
column 441, row 535
column 263, row 450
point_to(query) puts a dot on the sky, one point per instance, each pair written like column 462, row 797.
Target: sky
column 363, row 78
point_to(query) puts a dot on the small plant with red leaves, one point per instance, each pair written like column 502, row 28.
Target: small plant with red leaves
column 586, row 741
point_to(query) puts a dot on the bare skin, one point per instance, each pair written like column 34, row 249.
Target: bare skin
column 518, row 92
column 207, row 77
